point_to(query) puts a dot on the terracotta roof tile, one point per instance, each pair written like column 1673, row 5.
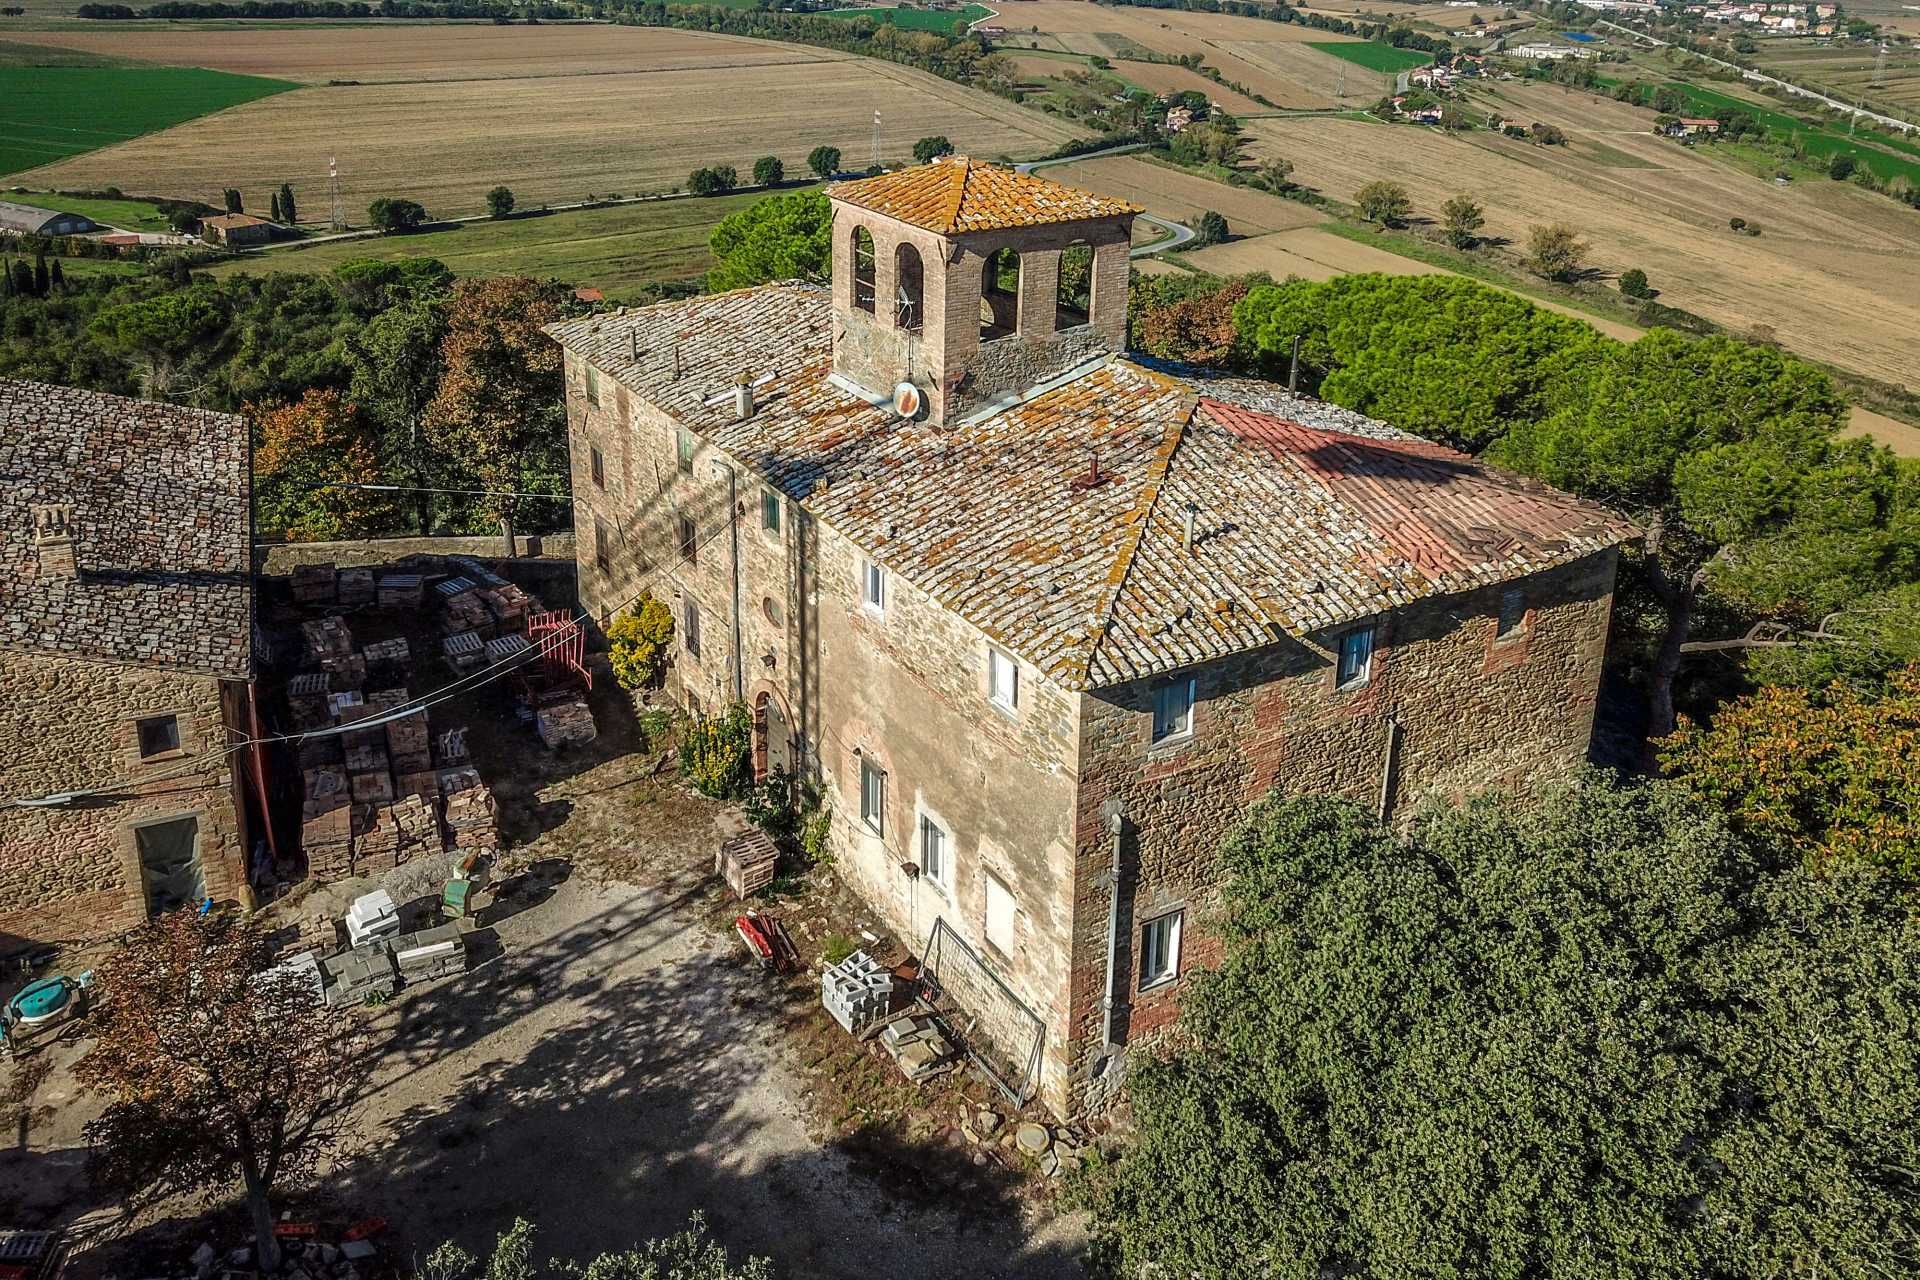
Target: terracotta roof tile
column 1306, row 515
column 956, row 195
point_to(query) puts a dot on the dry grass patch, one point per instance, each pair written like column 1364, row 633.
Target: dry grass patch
column 1832, row 278
column 1901, row 437
column 1172, row 193
column 555, row 139
column 1164, row 78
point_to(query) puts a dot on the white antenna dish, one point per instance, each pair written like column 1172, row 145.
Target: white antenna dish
column 907, row 400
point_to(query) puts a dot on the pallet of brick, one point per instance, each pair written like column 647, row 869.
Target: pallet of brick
column 409, row 744
column 355, row 588
column 388, row 698
column 349, row 672
column 372, row 787
column 468, row 612
column 323, row 783
column 416, row 826
column 400, row 590
column 455, row 780
column 463, row 650
column 424, row 783
column 747, row 862
column 471, row 818
column 307, row 700
column 508, row 605
column 324, row 639
column 388, row 661
column 565, row 724
column 320, row 752
column 375, row 837
column 326, row 837
column 367, row 756
column 313, row 584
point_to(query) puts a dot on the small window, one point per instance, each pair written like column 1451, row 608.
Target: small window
column 873, row 797
column 770, row 608
column 1173, row 710
column 683, row 443
column 1003, row 679
column 602, row 550
column 593, row 385
column 597, row 465
column 689, row 540
column 873, row 586
column 1160, row 950
column 1513, row 611
column 159, row 735
column 999, row 915
column 935, row 862
column 690, row 628
column 770, row 510
column 1356, row 658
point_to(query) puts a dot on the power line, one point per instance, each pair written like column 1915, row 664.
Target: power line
column 414, row 488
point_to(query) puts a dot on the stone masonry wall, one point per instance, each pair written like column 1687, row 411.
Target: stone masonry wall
column 74, row 873
column 906, row 687
column 1473, row 710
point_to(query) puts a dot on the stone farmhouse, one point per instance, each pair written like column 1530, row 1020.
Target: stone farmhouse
column 1043, row 619
column 126, row 657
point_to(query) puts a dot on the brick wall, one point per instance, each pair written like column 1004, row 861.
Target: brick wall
column 1472, row 710
column 74, row 873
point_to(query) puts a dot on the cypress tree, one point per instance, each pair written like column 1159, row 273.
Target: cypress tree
column 276, row 207
column 41, row 280
column 59, row 277
column 288, row 214
column 22, row 278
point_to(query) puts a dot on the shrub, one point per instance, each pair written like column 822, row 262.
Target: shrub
column 932, row 148
column 1737, row 222
column 638, row 641
column 816, row 830
column 1752, row 229
column 837, row 947
column 1209, row 228
column 824, row 162
column 768, row 171
column 1841, row 167
column 1386, row 203
column 500, row 201
column 717, row 180
column 716, row 755
column 390, row 214
column 1555, row 251
column 1633, row 283
column 778, row 806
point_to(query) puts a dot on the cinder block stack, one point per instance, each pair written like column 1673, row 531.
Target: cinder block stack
column 856, row 992
column 355, row 588
column 400, row 590
column 472, row 821
column 313, row 585
column 463, row 778
column 565, row 723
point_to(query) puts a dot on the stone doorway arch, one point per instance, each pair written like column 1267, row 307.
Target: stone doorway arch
column 772, row 737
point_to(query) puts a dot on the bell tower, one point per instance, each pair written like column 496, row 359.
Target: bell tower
column 974, row 283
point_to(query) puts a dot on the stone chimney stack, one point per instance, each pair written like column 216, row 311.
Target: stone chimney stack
column 53, row 539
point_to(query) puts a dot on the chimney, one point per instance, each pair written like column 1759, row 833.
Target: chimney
column 743, row 397
column 53, row 539
column 1186, row 520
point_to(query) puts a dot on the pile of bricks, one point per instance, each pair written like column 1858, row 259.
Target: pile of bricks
column 400, row 590
column 564, row 724
column 326, row 639
column 507, row 604
column 355, row 588
column 416, row 824
column 376, row 840
column 473, row 821
column 313, row 585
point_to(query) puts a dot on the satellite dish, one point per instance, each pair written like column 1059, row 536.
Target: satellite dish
column 907, row 400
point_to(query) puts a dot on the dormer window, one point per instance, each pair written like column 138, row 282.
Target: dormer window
column 909, row 288
column 863, row 269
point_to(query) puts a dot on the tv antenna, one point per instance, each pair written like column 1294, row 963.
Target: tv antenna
column 876, row 139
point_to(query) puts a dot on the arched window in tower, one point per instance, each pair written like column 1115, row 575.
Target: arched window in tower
column 863, row 269
column 909, row 288
column 1074, row 302
column 1000, row 294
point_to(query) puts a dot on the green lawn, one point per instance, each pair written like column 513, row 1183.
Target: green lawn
column 1820, row 140
column 129, row 215
column 49, row 113
column 1372, row 55
column 939, row 20
column 618, row 249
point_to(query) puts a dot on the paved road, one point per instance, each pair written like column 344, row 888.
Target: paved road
column 1906, row 126
column 1178, row 233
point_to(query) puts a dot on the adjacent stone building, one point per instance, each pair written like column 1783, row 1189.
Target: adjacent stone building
column 126, row 656
column 1042, row 619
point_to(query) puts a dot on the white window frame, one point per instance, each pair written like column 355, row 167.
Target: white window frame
column 873, row 587
column 1003, row 679
column 1177, row 729
column 1171, row 925
column 874, row 819
column 1363, row 672
column 1005, row 943
column 938, row 870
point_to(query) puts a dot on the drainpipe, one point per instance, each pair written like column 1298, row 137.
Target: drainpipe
column 1110, row 1004
column 733, row 536
column 1390, row 768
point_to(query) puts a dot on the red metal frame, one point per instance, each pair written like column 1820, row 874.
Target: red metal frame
column 562, row 645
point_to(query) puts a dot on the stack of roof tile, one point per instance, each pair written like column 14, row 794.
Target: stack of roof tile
column 313, row 585
column 400, row 590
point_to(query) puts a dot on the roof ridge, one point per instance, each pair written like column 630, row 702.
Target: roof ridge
column 1122, row 568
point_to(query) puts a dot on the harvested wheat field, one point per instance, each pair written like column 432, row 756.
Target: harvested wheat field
column 1172, row 193
column 1836, row 274
column 1164, row 78
column 1307, row 252
column 559, row 137
column 1901, row 437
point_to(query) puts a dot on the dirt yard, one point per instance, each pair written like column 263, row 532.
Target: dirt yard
column 441, row 114
column 611, row 1065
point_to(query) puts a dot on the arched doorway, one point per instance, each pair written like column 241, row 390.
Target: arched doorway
column 910, row 284
column 772, row 738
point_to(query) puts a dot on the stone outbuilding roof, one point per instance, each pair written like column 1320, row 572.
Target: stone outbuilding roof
column 956, row 195
column 234, row 221
column 1059, row 526
column 160, row 522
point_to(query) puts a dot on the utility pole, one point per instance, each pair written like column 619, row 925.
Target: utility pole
column 338, row 222
column 876, row 139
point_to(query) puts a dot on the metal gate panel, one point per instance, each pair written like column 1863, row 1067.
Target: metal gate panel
column 1001, row 1035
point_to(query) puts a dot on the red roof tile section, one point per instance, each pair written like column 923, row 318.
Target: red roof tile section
column 956, row 195
column 1305, row 516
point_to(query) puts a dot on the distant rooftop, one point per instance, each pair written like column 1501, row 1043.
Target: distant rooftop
column 229, row 221
column 160, row 528
column 955, row 195
column 1057, row 526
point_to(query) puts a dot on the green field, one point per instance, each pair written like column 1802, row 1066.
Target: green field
column 50, row 112
column 1373, row 56
column 1820, row 140
column 128, row 215
column 939, row 20
column 620, row 249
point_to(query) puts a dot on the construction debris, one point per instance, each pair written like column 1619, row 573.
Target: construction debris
column 566, row 724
